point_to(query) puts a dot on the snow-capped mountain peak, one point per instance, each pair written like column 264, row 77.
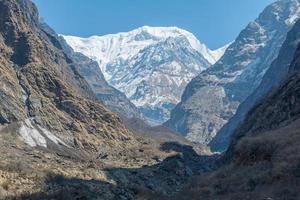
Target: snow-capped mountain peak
column 151, row 65
column 125, row 45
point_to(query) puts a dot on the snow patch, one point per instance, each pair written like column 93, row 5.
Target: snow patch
column 52, row 137
column 295, row 13
column 31, row 135
column 37, row 136
column 218, row 53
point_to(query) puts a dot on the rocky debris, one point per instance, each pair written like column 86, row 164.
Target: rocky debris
column 162, row 135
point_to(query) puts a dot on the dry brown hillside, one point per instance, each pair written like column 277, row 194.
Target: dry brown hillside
column 57, row 141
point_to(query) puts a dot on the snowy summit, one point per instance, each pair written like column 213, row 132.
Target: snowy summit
column 151, row 65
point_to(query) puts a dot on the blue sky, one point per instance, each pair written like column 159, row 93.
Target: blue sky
column 214, row 22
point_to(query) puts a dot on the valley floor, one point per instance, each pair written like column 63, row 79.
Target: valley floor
column 40, row 173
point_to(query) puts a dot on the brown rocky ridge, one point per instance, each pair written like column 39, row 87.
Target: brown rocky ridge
column 57, row 140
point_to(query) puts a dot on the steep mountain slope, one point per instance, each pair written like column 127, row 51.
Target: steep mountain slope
column 57, row 141
column 89, row 69
column 263, row 160
column 115, row 100
column 271, row 80
column 42, row 93
column 151, row 65
column 212, row 98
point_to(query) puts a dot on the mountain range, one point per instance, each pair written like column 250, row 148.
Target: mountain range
column 60, row 137
column 150, row 65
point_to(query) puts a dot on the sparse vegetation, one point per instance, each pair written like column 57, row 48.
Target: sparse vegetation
column 97, row 157
column 263, row 166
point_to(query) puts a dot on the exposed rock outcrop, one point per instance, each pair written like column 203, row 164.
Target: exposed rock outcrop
column 213, row 97
column 277, row 72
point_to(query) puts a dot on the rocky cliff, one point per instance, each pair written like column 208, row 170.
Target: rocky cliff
column 276, row 73
column 213, row 97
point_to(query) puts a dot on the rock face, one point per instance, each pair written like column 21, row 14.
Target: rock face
column 280, row 107
column 213, row 97
column 151, row 65
column 271, row 80
column 42, row 91
column 262, row 161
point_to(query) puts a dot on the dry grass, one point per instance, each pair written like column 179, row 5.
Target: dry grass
column 264, row 166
